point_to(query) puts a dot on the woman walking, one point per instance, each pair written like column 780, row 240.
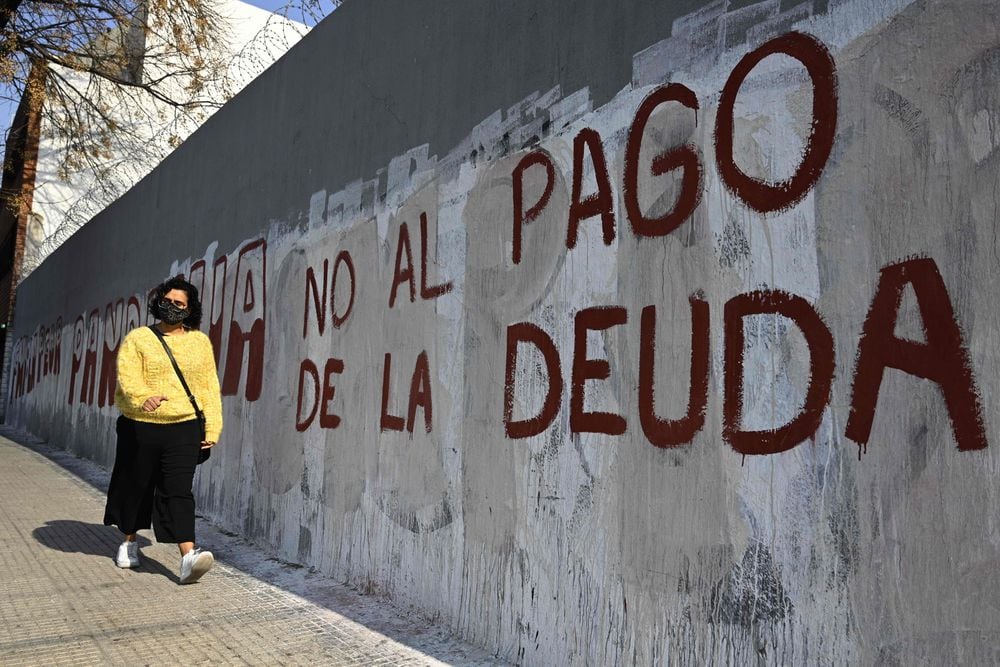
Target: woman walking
column 168, row 394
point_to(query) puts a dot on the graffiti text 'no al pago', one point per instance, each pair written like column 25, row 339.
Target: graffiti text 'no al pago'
column 331, row 293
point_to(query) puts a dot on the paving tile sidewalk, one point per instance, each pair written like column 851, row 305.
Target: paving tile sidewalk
column 63, row 602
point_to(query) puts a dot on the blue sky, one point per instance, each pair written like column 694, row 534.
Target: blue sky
column 269, row 5
column 296, row 14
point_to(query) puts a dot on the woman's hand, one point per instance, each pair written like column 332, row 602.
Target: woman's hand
column 152, row 403
column 207, row 444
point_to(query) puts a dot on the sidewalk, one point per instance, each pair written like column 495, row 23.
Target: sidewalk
column 63, row 601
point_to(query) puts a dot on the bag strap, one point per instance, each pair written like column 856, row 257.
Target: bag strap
column 177, row 369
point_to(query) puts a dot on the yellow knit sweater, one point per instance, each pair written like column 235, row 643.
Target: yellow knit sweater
column 144, row 370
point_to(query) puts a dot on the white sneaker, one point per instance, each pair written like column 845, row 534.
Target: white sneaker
column 128, row 555
column 194, row 564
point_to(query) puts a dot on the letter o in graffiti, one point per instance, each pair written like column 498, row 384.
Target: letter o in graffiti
column 758, row 194
column 344, row 258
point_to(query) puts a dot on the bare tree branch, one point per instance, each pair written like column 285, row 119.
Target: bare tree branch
column 127, row 81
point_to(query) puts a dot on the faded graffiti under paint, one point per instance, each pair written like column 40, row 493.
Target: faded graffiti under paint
column 882, row 350
column 96, row 337
column 943, row 358
column 594, row 382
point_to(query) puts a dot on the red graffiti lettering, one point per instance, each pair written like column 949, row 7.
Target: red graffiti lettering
column 113, row 321
column 581, row 421
column 90, row 358
column 343, row 259
column 674, row 432
column 319, row 302
column 35, row 357
column 525, row 332
column 77, row 361
column 388, row 422
column 420, row 394
column 17, row 370
column 682, row 157
column 329, row 294
column 432, row 291
column 943, row 358
column 522, row 217
column 218, row 306
column 32, row 349
column 758, row 194
column 246, row 326
column 599, row 203
column 57, row 347
column 307, row 367
column 821, row 367
column 399, row 274
column 197, row 277
column 45, row 340
column 133, row 314
column 327, row 418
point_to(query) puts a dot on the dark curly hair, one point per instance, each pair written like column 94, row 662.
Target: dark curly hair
column 192, row 321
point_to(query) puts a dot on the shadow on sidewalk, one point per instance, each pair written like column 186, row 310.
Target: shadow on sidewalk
column 93, row 539
column 238, row 553
column 78, row 537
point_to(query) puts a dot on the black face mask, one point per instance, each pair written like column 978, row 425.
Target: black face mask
column 171, row 314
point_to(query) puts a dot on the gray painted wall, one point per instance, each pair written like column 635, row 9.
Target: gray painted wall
column 864, row 531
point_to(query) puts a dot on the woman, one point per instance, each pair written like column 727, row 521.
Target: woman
column 159, row 433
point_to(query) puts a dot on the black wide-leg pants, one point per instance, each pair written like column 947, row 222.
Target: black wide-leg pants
column 151, row 480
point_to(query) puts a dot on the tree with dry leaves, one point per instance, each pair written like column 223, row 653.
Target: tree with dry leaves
column 128, row 82
column 105, row 89
column 97, row 82
column 87, row 67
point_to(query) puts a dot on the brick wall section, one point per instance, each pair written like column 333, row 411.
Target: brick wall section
column 20, row 164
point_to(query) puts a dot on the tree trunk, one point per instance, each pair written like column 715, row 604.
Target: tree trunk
column 16, row 196
column 7, row 10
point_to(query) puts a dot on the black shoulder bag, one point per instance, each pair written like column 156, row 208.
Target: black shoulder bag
column 203, row 454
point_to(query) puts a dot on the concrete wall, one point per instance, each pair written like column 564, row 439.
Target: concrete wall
column 742, row 412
